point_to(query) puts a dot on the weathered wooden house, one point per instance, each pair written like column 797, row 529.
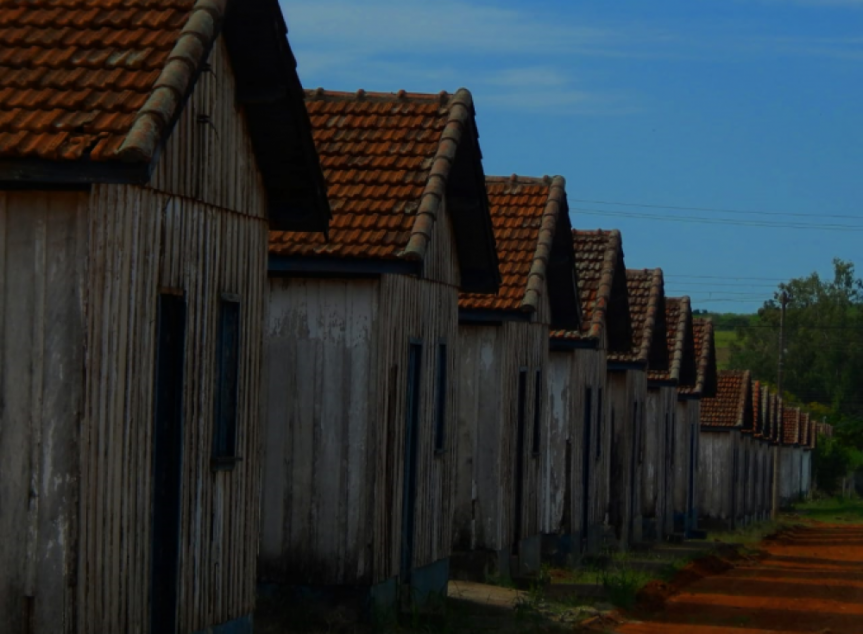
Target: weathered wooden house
column 806, row 445
column 503, row 369
column 723, row 417
column 760, row 479
column 144, row 152
column 627, row 400
column 362, row 347
column 789, row 457
column 686, row 429
column 678, row 368
column 576, row 468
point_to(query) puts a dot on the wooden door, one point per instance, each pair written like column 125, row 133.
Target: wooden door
column 519, row 459
column 409, row 490
column 585, row 466
column 167, row 463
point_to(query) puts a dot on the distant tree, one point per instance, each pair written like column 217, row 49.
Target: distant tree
column 823, row 347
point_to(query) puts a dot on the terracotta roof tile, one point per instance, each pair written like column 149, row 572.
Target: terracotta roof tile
column 646, row 295
column 386, row 159
column 757, row 410
column 790, row 426
column 525, row 214
column 376, row 182
column 98, row 59
column 732, row 405
column 681, row 365
column 705, row 354
column 603, row 297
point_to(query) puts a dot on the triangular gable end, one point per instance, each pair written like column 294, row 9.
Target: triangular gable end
column 118, row 133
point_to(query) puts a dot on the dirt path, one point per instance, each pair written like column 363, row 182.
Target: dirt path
column 810, row 581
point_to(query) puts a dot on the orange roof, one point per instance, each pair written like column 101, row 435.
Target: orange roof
column 527, row 214
column 681, row 353
column 732, row 405
column 90, row 90
column 757, row 409
column 645, row 289
column 603, row 298
column 705, row 354
column 387, row 159
column 75, row 74
column 790, row 426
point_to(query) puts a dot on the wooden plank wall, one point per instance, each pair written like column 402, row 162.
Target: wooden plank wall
column 625, row 389
column 656, row 478
column 43, row 249
column 682, row 434
column 489, row 361
column 429, row 314
column 716, row 486
column 570, row 374
column 323, row 391
column 142, row 241
column 209, row 155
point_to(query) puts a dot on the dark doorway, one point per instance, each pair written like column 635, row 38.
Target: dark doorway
column 585, row 466
column 519, row 459
column 409, row 491
column 633, row 466
column 690, row 494
column 167, row 462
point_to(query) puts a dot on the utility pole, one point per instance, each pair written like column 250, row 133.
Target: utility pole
column 783, row 301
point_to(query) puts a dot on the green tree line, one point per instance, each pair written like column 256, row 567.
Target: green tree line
column 823, row 362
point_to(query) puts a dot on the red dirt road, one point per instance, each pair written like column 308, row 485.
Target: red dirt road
column 810, row 581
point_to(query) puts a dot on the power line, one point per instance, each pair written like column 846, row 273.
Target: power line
column 717, row 209
column 718, row 221
column 725, row 277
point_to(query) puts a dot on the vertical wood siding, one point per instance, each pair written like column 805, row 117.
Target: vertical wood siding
column 488, row 365
column 657, row 482
column 336, row 359
column 142, row 241
column 323, row 391
column 625, row 390
column 716, row 477
column 570, row 375
column 209, row 156
column 679, row 491
column 429, row 314
column 43, row 246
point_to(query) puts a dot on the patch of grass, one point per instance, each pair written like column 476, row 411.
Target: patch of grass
column 833, row 510
column 754, row 533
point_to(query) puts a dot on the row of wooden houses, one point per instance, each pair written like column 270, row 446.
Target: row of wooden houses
column 251, row 334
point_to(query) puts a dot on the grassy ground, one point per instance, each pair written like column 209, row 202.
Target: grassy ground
column 833, row 510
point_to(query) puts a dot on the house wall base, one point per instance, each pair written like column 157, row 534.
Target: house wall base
column 479, row 565
column 708, row 523
column 242, row 625
column 428, row 585
column 359, row 603
column 649, row 529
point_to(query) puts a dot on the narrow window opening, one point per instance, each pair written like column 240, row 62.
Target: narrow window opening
column 537, row 413
column 227, row 384
column 440, row 400
column 519, row 458
column 599, row 417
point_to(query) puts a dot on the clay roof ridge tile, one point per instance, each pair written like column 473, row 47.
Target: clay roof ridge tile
column 613, row 247
column 460, row 111
column 548, row 225
column 653, row 301
column 679, row 339
column 174, row 81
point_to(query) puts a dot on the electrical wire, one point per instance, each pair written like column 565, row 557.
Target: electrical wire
column 716, row 209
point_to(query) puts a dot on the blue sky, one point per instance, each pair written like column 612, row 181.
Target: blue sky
column 745, row 105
